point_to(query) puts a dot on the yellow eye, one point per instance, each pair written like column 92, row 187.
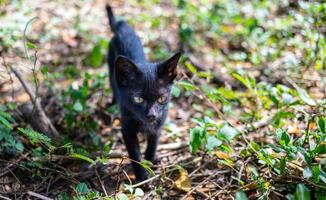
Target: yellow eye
column 138, row 100
column 162, row 99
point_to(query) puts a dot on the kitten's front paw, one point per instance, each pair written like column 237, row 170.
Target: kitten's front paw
column 141, row 176
column 155, row 161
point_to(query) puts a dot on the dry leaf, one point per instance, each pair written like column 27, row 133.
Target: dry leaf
column 23, row 97
column 183, row 182
column 294, row 129
column 312, row 125
column 222, row 155
column 116, row 123
column 250, row 186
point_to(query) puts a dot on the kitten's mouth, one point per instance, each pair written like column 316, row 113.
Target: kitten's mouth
column 151, row 121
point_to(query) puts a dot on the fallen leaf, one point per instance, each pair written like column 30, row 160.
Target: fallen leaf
column 250, row 186
column 69, row 38
column 116, row 123
column 294, row 129
column 183, row 182
column 222, row 155
column 312, row 125
column 23, row 97
column 7, row 188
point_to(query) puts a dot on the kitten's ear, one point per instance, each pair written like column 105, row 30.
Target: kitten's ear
column 168, row 69
column 126, row 71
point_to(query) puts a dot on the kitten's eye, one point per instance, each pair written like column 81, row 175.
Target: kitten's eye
column 162, row 99
column 138, row 99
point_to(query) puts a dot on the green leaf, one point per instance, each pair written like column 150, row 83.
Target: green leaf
column 322, row 176
column 283, row 137
column 82, row 188
column 5, row 115
column 302, row 192
column 254, row 145
column 188, row 86
column 228, row 132
column 251, row 80
column 82, row 157
column 19, row 146
column 78, row 107
column 139, row 192
column 240, row 195
column 287, row 98
column 30, row 45
column 307, row 173
column 212, row 143
column 316, row 173
column 4, row 122
column 36, row 137
column 195, row 138
column 45, row 70
column 11, row 106
column 96, row 56
column 281, row 115
column 63, row 196
column 322, row 124
column 147, row 165
column 175, row 91
column 122, row 196
column 114, row 109
column 245, row 81
column 282, row 165
column 320, row 149
column 305, row 97
column 129, row 188
column 191, row 68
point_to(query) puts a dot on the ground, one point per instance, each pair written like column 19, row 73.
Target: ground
column 247, row 118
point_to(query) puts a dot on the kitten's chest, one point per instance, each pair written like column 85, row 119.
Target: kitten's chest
column 146, row 128
column 149, row 128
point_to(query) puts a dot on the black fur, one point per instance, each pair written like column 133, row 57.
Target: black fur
column 133, row 78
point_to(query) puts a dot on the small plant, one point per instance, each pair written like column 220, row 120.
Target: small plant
column 75, row 101
column 131, row 193
column 9, row 141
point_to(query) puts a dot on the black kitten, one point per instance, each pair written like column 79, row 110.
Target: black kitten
column 142, row 90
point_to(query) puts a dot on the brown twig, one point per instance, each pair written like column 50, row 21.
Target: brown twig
column 10, row 76
column 168, row 171
column 125, row 173
column 146, row 181
column 38, row 195
column 101, row 182
column 14, row 164
column 173, row 146
column 38, row 119
column 3, row 197
column 118, row 181
column 203, row 182
column 49, row 185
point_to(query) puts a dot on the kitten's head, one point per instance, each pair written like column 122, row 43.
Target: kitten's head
column 144, row 89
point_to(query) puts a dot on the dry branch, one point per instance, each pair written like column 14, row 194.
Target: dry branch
column 219, row 77
column 33, row 112
column 39, row 196
column 3, row 197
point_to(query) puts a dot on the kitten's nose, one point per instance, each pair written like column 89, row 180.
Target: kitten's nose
column 151, row 118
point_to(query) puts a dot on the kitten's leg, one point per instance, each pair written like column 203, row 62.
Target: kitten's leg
column 129, row 133
column 152, row 142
